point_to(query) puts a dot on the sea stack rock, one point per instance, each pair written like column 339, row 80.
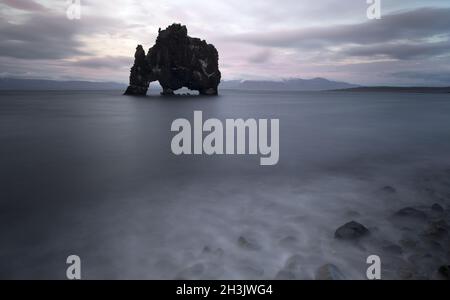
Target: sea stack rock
column 138, row 76
column 176, row 60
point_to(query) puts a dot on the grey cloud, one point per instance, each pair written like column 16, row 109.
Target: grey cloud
column 38, row 50
column 409, row 25
column 60, row 69
column 261, row 57
column 112, row 62
column 27, row 5
column 401, row 51
column 38, row 38
column 49, row 36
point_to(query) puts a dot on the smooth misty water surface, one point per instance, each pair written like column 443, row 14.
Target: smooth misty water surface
column 92, row 174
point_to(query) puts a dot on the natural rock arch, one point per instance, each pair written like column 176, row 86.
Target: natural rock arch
column 176, row 60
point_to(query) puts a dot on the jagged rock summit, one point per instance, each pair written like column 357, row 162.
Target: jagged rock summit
column 176, row 60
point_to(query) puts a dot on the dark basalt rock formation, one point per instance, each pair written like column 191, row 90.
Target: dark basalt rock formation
column 176, row 60
column 139, row 74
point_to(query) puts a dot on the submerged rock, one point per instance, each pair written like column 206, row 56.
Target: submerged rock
column 353, row 214
column 351, row 231
column 248, row 243
column 393, row 249
column 408, row 243
column 285, row 275
column 423, row 261
column 437, row 229
column 176, row 60
column 437, row 208
column 329, row 272
column 444, row 271
column 214, row 252
column 405, row 273
column 294, row 263
column 193, row 272
column 389, row 189
column 250, row 270
column 293, row 269
column 289, row 241
column 411, row 212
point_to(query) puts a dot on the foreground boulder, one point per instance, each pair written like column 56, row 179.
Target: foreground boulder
column 176, row 60
column 351, row 231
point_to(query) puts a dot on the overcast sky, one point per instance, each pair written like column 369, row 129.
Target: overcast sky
column 256, row 39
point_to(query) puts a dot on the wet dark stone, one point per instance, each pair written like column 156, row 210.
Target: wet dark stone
column 215, row 252
column 437, row 229
column 285, row 275
column 444, row 271
column 329, row 272
column 293, row 269
column 248, row 243
column 405, row 273
column 411, row 212
column 295, row 263
column 351, row 231
column 176, row 60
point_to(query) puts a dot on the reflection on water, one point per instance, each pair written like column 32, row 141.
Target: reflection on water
column 92, row 174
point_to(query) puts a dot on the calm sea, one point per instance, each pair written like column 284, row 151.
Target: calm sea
column 92, row 174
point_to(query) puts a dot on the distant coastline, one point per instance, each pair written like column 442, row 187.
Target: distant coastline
column 290, row 85
column 392, row 89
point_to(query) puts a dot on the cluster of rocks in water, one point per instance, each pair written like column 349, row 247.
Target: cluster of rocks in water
column 428, row 227
column 428, row 230
column 426, row 241
column 175, row 61
column 423, row 252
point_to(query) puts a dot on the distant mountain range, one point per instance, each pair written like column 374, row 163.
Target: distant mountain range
column 40, row 84
column 316, row 84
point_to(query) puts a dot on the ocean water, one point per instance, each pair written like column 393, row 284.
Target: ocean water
column 92, row 174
